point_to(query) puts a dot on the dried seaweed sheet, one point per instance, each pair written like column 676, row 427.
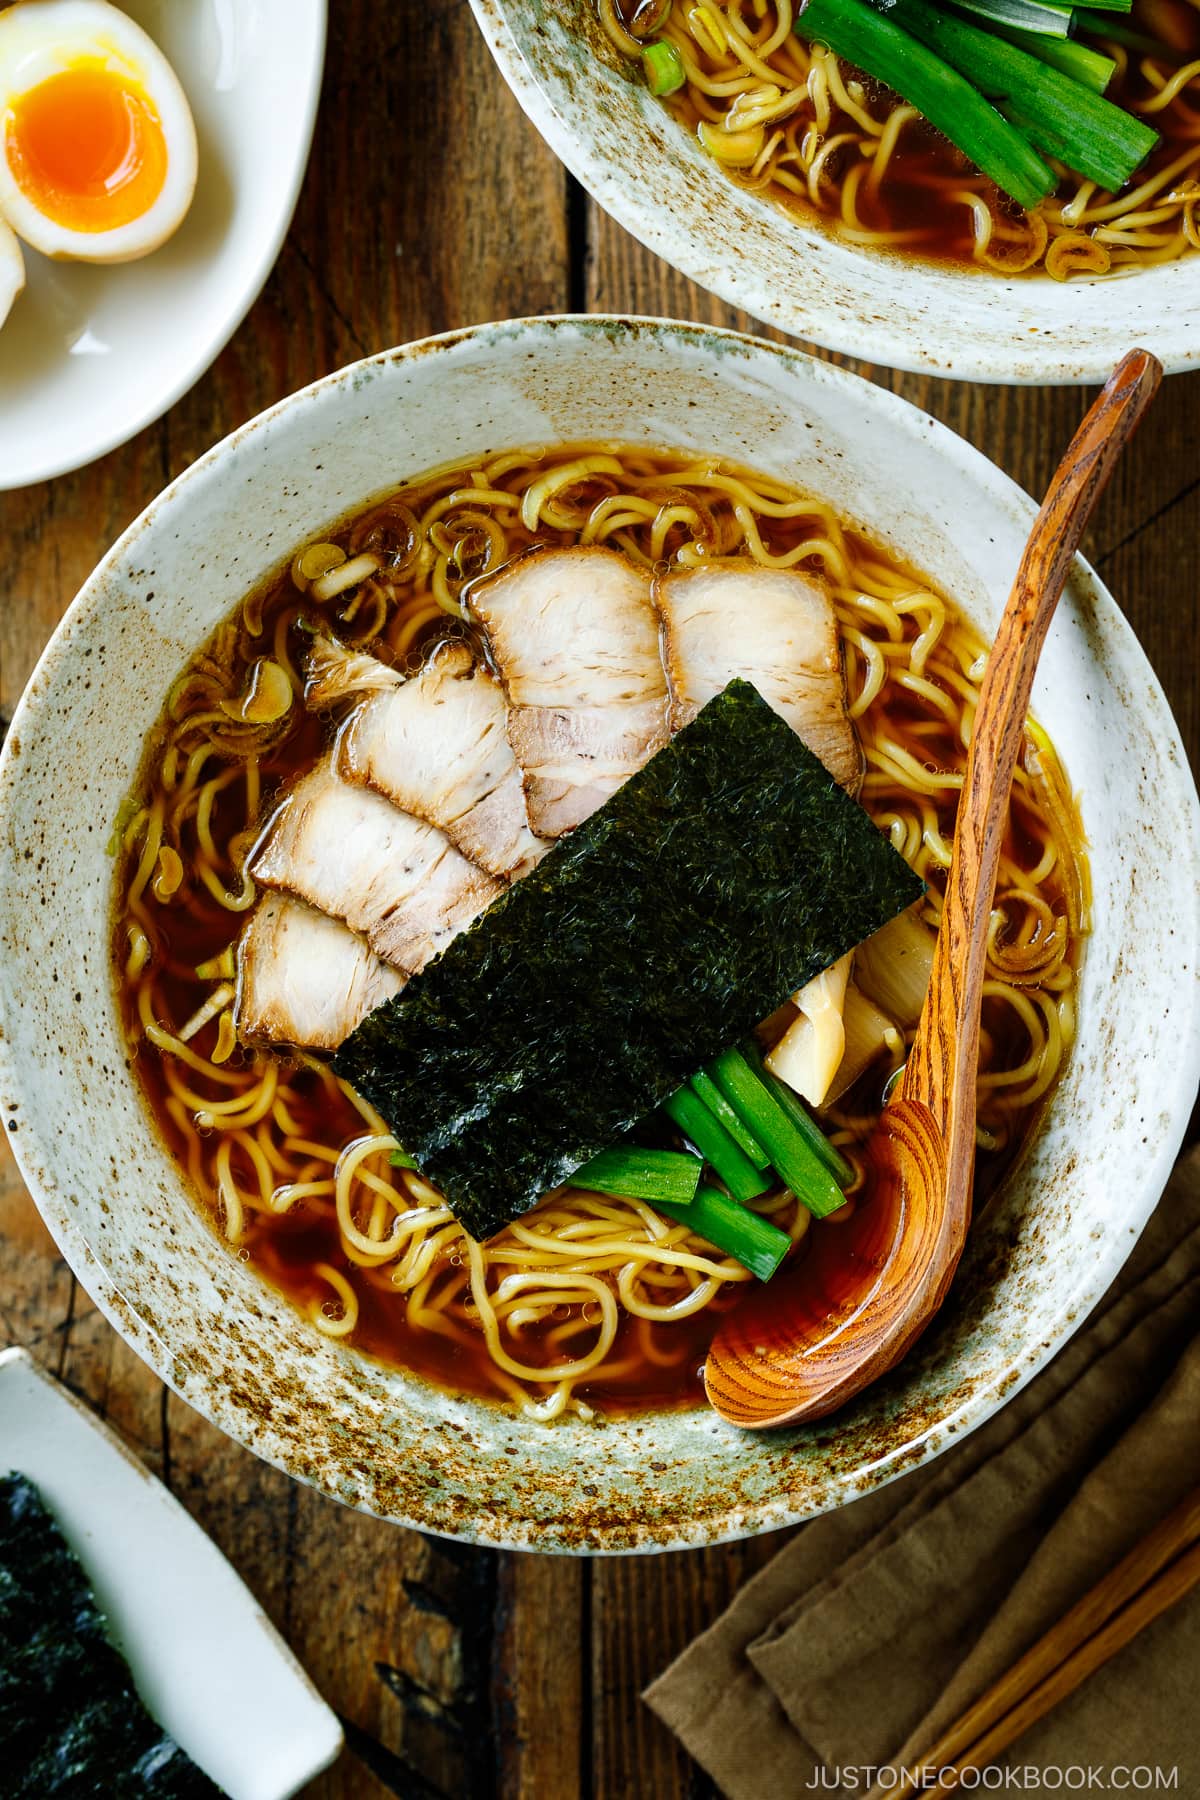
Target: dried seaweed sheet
column 725, row 874
column 71, row 1722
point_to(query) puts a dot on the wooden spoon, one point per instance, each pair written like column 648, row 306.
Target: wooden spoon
column 865, row 1290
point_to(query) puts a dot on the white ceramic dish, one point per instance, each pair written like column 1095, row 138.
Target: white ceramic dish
column 88, row 355
column 206, row 1660
column 655, row 179
column 116, row 1202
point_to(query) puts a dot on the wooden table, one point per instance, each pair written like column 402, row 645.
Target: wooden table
column 431, row 203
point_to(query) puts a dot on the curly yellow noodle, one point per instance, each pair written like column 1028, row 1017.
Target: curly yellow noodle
column 335, row 1325
column 233, row 1210
column 565, row 1283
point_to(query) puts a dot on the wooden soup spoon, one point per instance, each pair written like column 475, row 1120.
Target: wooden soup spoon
column 864, row 1291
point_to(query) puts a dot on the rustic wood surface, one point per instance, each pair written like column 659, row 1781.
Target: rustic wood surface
column 431, row 203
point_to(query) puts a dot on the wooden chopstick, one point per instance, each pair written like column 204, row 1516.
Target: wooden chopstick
column 1157, row 1572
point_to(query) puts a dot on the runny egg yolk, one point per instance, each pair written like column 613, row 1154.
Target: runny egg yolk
column 87, row 148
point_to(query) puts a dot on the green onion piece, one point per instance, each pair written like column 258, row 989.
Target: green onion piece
column 688, row 1111
column 636, row 1174
column 664, row 68
column 218, row 968
column 716, row 1103
column 1091, row 68
column 631, row 1173
column 881, row 48
column 802, row 1119
column 796, row 1163
column 1102, row 24
column 1067, row 6
column 757, row 1244
column 1062, row 118
column 1025, row 15
column 1110, row 164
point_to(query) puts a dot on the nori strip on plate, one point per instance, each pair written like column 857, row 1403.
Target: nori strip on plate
column 71, row 1722
column 720, row 878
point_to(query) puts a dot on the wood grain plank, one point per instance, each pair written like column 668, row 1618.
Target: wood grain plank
column 645, row 1610
column 540, row 1703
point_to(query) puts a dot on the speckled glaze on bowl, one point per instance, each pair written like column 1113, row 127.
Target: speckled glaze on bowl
column 598, row 116
column 115, row 1201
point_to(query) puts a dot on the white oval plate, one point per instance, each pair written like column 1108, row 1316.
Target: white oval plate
column 206, row 1660
column 90, row 355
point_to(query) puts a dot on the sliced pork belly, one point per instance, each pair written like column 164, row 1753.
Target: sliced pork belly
column 305, row 979
column 391, row 877
column 437, row 747
column 773, row 627
column 575, row 638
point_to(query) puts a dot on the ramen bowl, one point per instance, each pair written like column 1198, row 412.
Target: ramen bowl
column 657, row 181
column 386, row 1441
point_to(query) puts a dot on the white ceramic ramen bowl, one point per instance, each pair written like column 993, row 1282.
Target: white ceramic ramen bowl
column 652, row 175
column 115, row 1200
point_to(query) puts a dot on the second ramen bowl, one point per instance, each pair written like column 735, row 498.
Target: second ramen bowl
column 653, row 176
column 378, row 1438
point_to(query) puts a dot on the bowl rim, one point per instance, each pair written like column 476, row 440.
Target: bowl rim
column 509, row 1527
column 872, row 340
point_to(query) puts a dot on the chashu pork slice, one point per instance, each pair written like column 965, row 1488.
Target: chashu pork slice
column 574, row 636
column 436, row 746
column 389, row 876
column 773, row 627
column 304, row 979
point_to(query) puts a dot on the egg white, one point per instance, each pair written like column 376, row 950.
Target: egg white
column 12, row 269
column 41, row 38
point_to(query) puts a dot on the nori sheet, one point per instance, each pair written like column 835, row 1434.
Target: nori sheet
column 720, row 878
column 71, row 1722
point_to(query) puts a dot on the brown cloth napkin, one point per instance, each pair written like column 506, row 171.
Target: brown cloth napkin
column 878, row 1624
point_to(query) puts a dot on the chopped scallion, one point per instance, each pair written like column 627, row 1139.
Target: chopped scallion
column 757, row 1244
column 884, row 48
column 1062, row 118
column 400, row 1159
column 687, row 1110
column 1025, row 15
column 664, row 68
column 716, row 1103
column 796, row 1162
column 1106, row 25
column 803, row 1120
column 218, row 968
column 1090, row 68
column 631, row 1173
column 1111, row 162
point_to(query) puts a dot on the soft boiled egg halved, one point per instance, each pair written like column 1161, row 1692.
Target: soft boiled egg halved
column 97, row 144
